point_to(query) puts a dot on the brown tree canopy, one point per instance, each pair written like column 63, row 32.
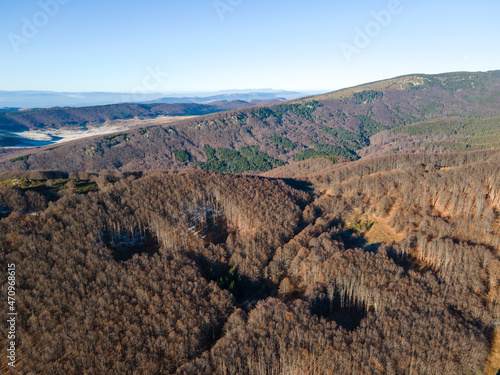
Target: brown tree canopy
column 191, row 272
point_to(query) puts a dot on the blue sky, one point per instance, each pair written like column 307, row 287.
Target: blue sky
column 192, row 45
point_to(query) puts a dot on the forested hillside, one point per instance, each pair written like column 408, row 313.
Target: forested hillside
column 81, row 117
column 354, row 236
column 388, row 265
column 418, row 113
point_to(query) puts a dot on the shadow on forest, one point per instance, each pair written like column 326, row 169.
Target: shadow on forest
column 216, row 229
column 487, row 329
column 4, row 212
column 245, row 290
column 304, row 186
column 210, row 225
column 346, row 315
column 353, row 239
column 124, row 246
column 405, row 262
column 372, row 247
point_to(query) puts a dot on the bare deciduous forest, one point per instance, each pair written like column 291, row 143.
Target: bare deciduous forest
column 380, row 266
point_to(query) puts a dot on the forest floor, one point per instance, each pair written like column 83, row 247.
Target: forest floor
column 493, row 364
column 382, row 232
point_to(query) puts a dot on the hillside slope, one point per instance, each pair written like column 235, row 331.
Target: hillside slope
column 346, row 125
column 81, row 117
column 189, row 272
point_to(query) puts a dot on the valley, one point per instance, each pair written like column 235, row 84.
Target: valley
column 46, row 137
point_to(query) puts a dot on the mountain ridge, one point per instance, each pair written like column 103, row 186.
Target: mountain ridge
column 341, row 125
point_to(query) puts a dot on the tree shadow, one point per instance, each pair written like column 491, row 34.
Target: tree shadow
column 372, row 247
column 352, row 239
column 211, row 226
column 246, row 291
column 125, row 246
column 301, row 185
column 345, row 314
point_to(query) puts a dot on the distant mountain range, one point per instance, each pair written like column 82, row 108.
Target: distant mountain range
column 250, row 96
column 48, row 99
column 411, row 114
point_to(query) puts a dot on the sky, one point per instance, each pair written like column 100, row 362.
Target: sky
column 209, row 45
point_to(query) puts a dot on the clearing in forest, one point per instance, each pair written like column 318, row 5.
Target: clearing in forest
column 493, row 364
column 381, row 232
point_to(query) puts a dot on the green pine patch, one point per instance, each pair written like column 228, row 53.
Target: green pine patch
column 182, row 155
column 248, row 158
column 283, row 142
